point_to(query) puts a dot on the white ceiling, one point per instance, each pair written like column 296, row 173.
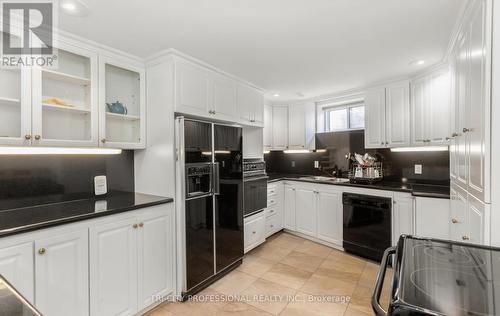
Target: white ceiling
column 310, row 47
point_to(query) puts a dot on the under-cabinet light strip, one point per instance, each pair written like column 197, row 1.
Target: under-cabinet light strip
column 417, row 149
column 57, row 151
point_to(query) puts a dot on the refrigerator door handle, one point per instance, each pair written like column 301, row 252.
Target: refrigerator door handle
column 216, row 178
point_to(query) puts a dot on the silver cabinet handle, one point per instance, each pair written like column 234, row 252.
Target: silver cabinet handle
column 38, row 137
column 42, row 251
column 465, row 130
column 454, row 221
column 465, row 237
column 27, row 137
column 455, row 135
column 254, row 232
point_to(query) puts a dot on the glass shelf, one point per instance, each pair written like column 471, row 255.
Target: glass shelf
column 10, row 103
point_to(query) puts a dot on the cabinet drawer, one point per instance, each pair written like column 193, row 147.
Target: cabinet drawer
column 272, row 201
column 255, row 229
column 271, row 190
column 272, row 224
column 270, row 211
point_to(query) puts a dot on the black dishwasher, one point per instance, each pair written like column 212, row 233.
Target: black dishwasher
column 367, row 225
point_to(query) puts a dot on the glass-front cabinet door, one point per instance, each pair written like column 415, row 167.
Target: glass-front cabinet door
column 65, row 100
column 122, row 105
column 15, row 107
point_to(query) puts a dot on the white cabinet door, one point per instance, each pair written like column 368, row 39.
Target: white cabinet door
column 432, row 217
column 419, row 111
column 477, row 125
column 375, row 118
column 192, row 85
column 403, row 216
column 223, row 97
column 15, row 107
column 280, row 127
column 155, row 261
column 62, row 274
column 306, row 213
column 289, row 206
column 297, row 120
column 254, row 231
column 330, row 216
column 438, row 116
column 398, row 114
column 461, row 86
column 268, row 127
column 75, row 84
column 458, row 212
column 113, row 268
column 259, row 110
column 17, row 267
column 477, row 214
column 250, row 105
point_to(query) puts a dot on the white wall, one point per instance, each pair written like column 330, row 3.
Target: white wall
column 253, row 142
column 155, row 166
column 495, row 129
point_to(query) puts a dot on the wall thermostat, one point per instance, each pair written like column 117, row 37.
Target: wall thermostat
column 100, row 185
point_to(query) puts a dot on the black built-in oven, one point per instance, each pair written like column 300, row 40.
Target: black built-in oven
column 367, row 225
column 254, row 186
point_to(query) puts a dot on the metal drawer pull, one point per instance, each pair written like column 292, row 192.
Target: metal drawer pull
column 272, row 226
column 135, row 226
column 41, row 251
column 465, row 238
column 141, row 225
column 454, row 221
column 254, row 232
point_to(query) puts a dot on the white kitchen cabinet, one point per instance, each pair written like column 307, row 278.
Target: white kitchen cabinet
column 375, row 118
column 15, row 107
column 155, row 256
column 123, row 82
column 17, row 267
column 296, row 134
column 62, row 274
column 430, row 109
column 330, row 215
column 114, row 268
column 403, row 216
column 432, row 217
column 280, row 127
column 274, row 210
column 458, row 213
column 250, row 105
column 254, row 231
column 397, row 108
column 478, row 231
column 289, row 206
column 268, row 127
column 192, row 89
column 223, row 97
column 306, row 216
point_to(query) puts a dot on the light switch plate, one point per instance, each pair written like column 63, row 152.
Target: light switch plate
column 293, row 164
column 418, row 169
column 100, row 185
column 316, row 164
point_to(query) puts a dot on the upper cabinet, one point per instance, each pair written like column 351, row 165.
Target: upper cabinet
column 122, row 104
column 279, row 128
column 202, row 92
column 375, row 118
column 268, row 127
column 301, row 129
column 430, row 109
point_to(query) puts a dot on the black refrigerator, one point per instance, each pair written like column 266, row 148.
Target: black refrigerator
column 210, row 171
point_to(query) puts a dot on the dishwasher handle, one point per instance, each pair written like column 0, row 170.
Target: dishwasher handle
column 379, row 311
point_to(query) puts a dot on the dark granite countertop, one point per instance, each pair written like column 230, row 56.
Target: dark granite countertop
column 24, row 219
column 419, row 190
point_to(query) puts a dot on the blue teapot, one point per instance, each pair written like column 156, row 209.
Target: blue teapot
column 117, row 108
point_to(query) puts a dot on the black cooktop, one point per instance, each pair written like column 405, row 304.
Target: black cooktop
column 447, row 278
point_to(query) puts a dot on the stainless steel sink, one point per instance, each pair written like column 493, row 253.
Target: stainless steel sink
column 326, row 179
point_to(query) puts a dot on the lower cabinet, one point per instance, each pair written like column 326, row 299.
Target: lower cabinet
column 128, row 261
column 403, row 216
column 254, row 231
column 432, row 217
column 330, row 216
column 306, row 214
column 62, row 274
column 289, row 207
column 17, row 266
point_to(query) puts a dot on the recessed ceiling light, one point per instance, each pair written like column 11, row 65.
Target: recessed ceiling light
column 419, row 62
column 74, row 7
column 276, row 95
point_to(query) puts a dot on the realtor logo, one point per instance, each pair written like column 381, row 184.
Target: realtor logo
column 28, row 33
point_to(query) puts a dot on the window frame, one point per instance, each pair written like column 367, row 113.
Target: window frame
column 347, row 106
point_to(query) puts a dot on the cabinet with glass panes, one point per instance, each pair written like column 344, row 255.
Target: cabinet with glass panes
column 122, row 105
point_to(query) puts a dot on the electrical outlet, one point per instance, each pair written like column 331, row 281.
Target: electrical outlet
column 316, row 164
column 418, row 169
column 293, row 164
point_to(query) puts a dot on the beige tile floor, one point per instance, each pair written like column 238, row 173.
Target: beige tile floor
column 321, row 281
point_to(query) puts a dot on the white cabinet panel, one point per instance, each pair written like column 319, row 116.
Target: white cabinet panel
column 296, row 119
column 113, row 268
column 223, row 97
column 62, row 274
column 403, row 216
column 398, row 114
column 280, row 127
column 192, row 86
column 250, row 105
column 458, row 211
column 306, row 214
column 477, row 222
column 438, row 114
column 330, row 216
column 17, row 267
column 375, row 118
column 418, row 112
column 289, row 206
column 155, row 261
column 432, row 217
column 268, row 127
column 254, row 231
